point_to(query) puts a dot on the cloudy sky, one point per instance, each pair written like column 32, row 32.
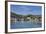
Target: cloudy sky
column 26, row 9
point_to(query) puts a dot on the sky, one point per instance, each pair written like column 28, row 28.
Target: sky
column 26, row 9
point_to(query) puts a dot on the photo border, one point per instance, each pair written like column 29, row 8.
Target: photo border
column 6, row 16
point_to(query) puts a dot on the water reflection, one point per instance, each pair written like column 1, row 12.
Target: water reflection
column 25, row 24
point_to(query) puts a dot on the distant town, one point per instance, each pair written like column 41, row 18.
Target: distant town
column 17, row 17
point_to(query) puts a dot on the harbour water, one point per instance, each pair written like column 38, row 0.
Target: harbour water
column 25, row 24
